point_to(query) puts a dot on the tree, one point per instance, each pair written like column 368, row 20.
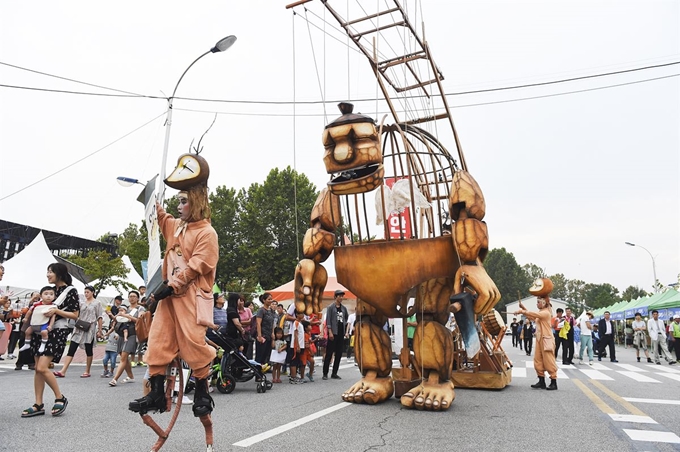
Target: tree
column 234, row 272
column 533, row 272
column 560, row 288
column 508, row 276
column 576, row 293
column 633, row 293
column 601, row 295
column 134, row 243
column 108, row 270
column 271, row 226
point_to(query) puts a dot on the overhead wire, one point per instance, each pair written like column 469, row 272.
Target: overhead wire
column 68, row 79
column 316, row 102
column 82, row 158
column 477, row 104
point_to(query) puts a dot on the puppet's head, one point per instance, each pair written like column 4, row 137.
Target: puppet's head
column 352, row 154
column 541, row 287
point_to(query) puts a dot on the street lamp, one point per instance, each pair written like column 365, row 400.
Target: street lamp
column 221, row 46
column 127, row 181
column 653, row 263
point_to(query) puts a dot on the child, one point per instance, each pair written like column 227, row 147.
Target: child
column 278, row 356
column 310, row 351
column 110, row 353
column 297, row 342
column 46, row 299
column 122, row 323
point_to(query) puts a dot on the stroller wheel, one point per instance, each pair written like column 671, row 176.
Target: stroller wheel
column 269, row 384
column 227, row 384
column 261, row 387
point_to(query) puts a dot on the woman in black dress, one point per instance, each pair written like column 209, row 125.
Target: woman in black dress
column 68, row 306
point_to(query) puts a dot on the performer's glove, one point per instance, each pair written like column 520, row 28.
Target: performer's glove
column 164, row 291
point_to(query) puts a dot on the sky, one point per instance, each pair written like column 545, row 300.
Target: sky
column 570, row 171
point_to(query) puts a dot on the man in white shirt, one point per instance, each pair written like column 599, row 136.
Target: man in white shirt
column 657, row 333
column 349, row 331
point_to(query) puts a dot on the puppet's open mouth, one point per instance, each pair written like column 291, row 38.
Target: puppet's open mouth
column 357, row 180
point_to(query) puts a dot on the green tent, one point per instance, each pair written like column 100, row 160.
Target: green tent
column 669, row 299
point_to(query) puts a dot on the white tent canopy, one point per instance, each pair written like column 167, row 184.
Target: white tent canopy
column 26, row 272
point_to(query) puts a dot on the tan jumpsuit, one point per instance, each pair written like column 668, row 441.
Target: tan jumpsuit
column 544, row 360
column 174, row 329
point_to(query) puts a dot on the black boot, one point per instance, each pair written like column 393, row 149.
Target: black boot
column 155, row 400
column 540, row 384
column 553, row 384
column 203, row 403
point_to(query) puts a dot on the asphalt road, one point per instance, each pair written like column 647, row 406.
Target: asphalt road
column 606, row 408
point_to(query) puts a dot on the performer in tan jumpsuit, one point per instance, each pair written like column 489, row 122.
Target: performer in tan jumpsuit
column 544, row 358
column 191, row 239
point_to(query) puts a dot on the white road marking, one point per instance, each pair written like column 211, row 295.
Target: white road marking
column 656, row 401
column 595, row 374
column 560, row 373
column 291, row 425
column 664, row 367
column 519, row 372
column 632, row 418
column 652, row 436
column 631, row 367
column 637, row 376
column 597, row 366
column 675, row 377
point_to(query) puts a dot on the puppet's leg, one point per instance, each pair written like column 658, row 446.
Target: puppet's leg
column 374, row 357
column 433, row 349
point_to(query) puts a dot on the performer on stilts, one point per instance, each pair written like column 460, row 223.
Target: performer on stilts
column 189, row 267
column 544, row 357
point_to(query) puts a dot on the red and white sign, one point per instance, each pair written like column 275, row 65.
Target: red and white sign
column 399, row 223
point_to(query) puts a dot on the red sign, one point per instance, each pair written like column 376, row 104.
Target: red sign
column 399, row 223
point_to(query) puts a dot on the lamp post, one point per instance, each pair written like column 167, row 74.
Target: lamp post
column 221, row 46
column 653, row 263
column 127, row 181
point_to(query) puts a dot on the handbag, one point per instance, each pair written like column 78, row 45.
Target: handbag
column 143, row 326
column 548, row 343
column 204, row 307
column 83, row 325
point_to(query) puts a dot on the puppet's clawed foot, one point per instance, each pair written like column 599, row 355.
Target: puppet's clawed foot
column 370, row 389
column 431, row 395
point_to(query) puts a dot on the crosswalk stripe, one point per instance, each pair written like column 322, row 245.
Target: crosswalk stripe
column 519, row 372
column 560, row 373
column 664, row 367
column 631, row 368
column 637, row 376
column 669, row 375
column 595, row 374
column 598, row 366
column 632, row 418
column 652, row 436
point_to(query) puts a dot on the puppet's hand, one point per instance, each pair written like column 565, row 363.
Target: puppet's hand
column 476, row 278
column 310, row 281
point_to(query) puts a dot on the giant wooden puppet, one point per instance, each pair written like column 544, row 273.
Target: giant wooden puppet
column 185, row 302
column 429, row 212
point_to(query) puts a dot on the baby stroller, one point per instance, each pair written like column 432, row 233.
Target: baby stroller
column 235, row 367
